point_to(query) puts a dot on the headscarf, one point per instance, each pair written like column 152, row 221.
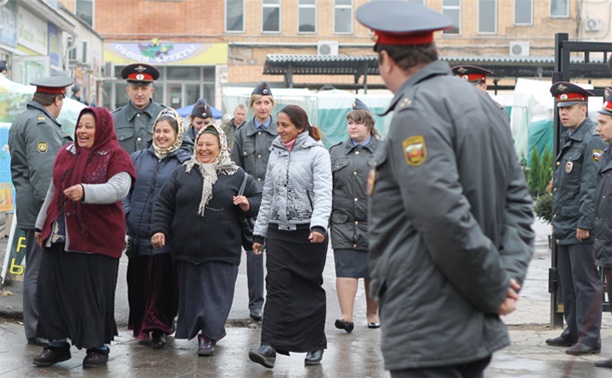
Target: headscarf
column 222, row 164
column 161, row 153
column 79, row 165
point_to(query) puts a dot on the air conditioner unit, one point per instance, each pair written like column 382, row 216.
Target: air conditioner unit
column 592, row 25
column 327, row 48
column 86, row 56
column 109, row 70
column 519, row 48
column 72, row 47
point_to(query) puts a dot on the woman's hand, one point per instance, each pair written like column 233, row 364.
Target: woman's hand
column 38, row 239
column 257, row 249
column 74, row 193
column 316, row 237
column 243, row 202
column 158, row 240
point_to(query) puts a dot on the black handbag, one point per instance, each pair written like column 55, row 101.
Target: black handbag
column 246, row 223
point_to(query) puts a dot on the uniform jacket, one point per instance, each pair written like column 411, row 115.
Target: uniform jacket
column 602, row 230
column 230, row 130
column 151, row 174
column 349, row 217
column 251, row 149
column 217, row 235
column 135, row 127
column 298, row 187
column 35, row 137
column 450, row 223
column 574, row 182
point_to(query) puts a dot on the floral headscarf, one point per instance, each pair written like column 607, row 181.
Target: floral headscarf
column 221, row 165
column 169, row 113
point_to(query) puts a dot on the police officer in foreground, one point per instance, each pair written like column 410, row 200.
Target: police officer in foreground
column 450, row 213
column 603, row 198
column 35, row 137
column 134, row 121
column 574, row 181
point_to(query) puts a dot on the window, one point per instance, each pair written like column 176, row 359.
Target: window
column 234, row 15
column 559, row 8
column 523, row 12
column 452, row 10
column 270, row 16
column 343, row 16
column 307, row 16
column 487, row 16
column 84, row 10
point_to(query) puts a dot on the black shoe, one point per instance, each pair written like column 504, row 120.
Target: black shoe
column 314, row 357
column 206, row 346
column 159, row 340
column 373, row 325
column 604, row 363
column 52, row 355
column 96, row 357
column 581, row 349
column 560, row 341
column 38, row 341
column 343, row 324
column 265, row 355
column 256, row 314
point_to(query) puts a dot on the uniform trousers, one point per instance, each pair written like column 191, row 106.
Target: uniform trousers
column 582, row 293
column 30, row 278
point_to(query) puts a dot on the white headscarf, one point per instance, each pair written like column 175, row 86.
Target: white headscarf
column 163, row 152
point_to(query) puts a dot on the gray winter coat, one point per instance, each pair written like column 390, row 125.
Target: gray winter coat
column 298, row 187
column 349, row 219
column 603, row 211
column 574, row 181
column 450, row 223
column 251, row 149
column 35, row 137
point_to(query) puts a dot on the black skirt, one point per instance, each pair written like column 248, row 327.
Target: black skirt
column 295, row 309
column 76, row 297
column 351, row 263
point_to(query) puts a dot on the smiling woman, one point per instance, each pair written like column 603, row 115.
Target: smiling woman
column 86, row 130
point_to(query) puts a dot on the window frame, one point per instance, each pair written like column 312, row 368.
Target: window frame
column 350, row 19
column 515, row 12
column 550, row 9
column 267, row 4
column 226, row 15
column 452, row 8
column 307, row 6
column 494, row 18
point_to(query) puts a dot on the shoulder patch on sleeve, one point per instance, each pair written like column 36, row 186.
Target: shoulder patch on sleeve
column 415, row 150
column 41, row 147
column 596, row 154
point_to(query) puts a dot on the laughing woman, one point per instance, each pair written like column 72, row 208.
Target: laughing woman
column 151, row 277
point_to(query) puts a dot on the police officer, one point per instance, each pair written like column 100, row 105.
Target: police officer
column 134, row 121
column 477, row 76
column 574, row 181
column 35, row 137
column 200, row 117
column 230, row 127
column 251, row 152
column 450, row 213
column 603, row 197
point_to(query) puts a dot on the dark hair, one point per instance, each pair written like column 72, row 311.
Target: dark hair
column 46, row 99
column 365, row 117
column 299, row 118
column 408, row 56
column 168, row 118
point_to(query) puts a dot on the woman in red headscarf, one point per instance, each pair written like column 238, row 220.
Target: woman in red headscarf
column 81, row 225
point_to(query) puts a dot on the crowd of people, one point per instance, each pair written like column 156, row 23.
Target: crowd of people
column 439, row 230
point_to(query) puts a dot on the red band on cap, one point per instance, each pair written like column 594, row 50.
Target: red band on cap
column 608, row 106
column 473, row 77
column 61, row 90
column 404, row 39
column 140, row 76
column 563, row 97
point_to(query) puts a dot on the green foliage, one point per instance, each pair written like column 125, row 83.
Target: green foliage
column 543, row 207
column 539, row 173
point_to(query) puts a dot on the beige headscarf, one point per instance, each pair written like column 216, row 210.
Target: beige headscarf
column 222, row 164
column 161, row 153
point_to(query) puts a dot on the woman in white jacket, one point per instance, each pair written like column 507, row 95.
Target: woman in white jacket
column 293, row 220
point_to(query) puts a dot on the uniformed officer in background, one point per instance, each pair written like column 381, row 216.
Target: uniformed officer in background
column 478, row 77
column 238, row 120
column 35, row 137
column 450, row 213
column 603, row 198
column 573, row 207
column 134, row 121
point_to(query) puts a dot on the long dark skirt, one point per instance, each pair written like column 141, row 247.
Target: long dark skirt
column 294, row 313
column 76, row 297
column 206, row 293
column 152, row 294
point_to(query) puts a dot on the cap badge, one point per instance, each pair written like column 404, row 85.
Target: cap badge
column 563, row 97
column 465, row 77
column 140, row 77
column 561, row 87
column 461, row 70
column 415, row 151
column 140, row 69
column 264, row 91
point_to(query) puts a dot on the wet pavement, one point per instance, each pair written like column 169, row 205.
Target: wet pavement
column 348, row 355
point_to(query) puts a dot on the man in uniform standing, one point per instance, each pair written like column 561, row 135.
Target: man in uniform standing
column 450, row 213
column 134, row 121
column 230, row 127
column 478, row 77
column 35, row 137
column 574, row 182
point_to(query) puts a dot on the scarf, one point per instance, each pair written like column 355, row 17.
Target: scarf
column 209, row 171
column 161, row 153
